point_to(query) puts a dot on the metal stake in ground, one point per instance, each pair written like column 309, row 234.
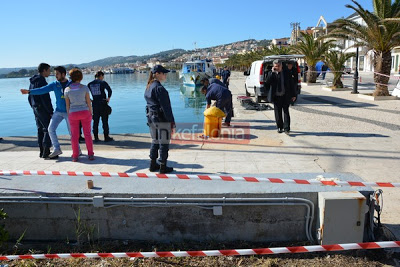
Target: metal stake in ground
column 355, row 78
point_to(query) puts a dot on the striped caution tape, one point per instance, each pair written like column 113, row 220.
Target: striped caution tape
column 396, row 77
column 322, row 181
column 207, row 253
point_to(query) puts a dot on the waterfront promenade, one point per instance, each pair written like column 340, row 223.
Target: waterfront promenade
column 331, row 132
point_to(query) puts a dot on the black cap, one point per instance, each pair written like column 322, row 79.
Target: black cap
column 159, row 68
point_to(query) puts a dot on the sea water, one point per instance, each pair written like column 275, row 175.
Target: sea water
column 127, row 102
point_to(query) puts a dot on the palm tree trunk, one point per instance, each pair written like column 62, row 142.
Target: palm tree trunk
column 337, row 82
column 382, row 65
column 311, row 74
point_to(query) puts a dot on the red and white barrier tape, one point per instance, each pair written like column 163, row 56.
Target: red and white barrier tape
column 325, row 181
column 389, row 76
column 204, row 253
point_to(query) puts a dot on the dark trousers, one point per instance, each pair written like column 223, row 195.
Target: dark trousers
column 42, row 119
column 160, row 133
column 226, row 106
column 100, row 111
column 282, row 103
column 226, row 83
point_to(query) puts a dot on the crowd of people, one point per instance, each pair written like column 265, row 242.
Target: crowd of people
column 78, row 104
column 73, row 104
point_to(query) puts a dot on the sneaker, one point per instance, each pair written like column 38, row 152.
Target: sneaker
column 280, row 130
column 55, row 153
column 53, row 158
column 74, row 159
column 287, row 132
column 96, row 140
column 91, row 157
column 226, row 124
column 81, row 139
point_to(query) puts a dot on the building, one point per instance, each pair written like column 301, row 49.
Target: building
column 366, row 57
column 281, row 42
column 396, row 60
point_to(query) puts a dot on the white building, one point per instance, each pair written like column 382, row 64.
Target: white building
column 281, row 42
column 396, row 60
column 365, row 56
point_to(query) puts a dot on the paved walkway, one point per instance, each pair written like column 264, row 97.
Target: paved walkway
column 331, row 132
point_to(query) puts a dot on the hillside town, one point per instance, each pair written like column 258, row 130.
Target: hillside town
column 220, row 54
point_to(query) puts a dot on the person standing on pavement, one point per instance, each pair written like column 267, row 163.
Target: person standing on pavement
column 42, row 109
column 213, row 90
column 100, row 105
column 292, row 69
column 160, row 119
column 60, row 113
column 324, row 69
column 79, row 109
column 225, row 74
column 281, row 94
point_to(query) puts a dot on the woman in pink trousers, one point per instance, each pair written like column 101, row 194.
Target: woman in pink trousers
column 79, row 109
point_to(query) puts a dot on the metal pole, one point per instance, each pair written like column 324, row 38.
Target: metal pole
column 355, row 78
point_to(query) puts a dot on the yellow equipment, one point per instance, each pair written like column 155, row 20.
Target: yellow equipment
column 213, row 121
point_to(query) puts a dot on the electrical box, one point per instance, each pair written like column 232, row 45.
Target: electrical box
column 341, row 217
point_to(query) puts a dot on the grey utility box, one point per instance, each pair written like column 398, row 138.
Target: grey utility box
column 341, row 217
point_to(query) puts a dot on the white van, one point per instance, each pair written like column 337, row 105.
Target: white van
column 259, row 70
column 255, row 80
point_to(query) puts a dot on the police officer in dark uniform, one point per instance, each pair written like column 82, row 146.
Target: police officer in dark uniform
column 225, row 74
column 100, row 105
column 159, row 118
column 214, row 90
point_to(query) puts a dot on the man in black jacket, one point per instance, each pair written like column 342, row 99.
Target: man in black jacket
column 42, row 109
column 282, row 92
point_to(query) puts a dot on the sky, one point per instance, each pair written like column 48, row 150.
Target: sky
column 80, row 31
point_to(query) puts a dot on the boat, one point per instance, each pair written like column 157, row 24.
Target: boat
column 194, row 70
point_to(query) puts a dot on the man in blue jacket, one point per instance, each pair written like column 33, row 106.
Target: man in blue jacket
column 42, row 109
column 60, row 114
column 213, row 90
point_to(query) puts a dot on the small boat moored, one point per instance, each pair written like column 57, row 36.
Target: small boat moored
column 195, row 70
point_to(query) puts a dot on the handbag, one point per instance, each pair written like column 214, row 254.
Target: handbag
column 109, row 109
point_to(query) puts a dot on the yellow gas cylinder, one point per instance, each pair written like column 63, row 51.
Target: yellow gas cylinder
column 213, row 121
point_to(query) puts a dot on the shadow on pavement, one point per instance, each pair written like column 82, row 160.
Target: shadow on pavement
column 357, row 135
column 140, row 164
column 335, row 101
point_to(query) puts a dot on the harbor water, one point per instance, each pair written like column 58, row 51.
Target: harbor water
column 127, row 102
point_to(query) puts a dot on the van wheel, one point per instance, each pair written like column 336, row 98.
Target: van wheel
column 247, row 93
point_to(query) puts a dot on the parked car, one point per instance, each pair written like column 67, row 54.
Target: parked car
column 396, row 90
column 256, row 75
column 346, row 70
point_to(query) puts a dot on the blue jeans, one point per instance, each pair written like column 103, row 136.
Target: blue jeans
column 56, row 119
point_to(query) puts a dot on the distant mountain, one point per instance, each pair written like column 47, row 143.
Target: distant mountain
column 162, row 56
column 8, row 70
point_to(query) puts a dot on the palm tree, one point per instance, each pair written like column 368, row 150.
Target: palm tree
column 313, row 51
column 335, row 61
column 276, row 50
column 381, row 33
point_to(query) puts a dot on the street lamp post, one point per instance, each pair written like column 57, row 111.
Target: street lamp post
column 355, row 77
